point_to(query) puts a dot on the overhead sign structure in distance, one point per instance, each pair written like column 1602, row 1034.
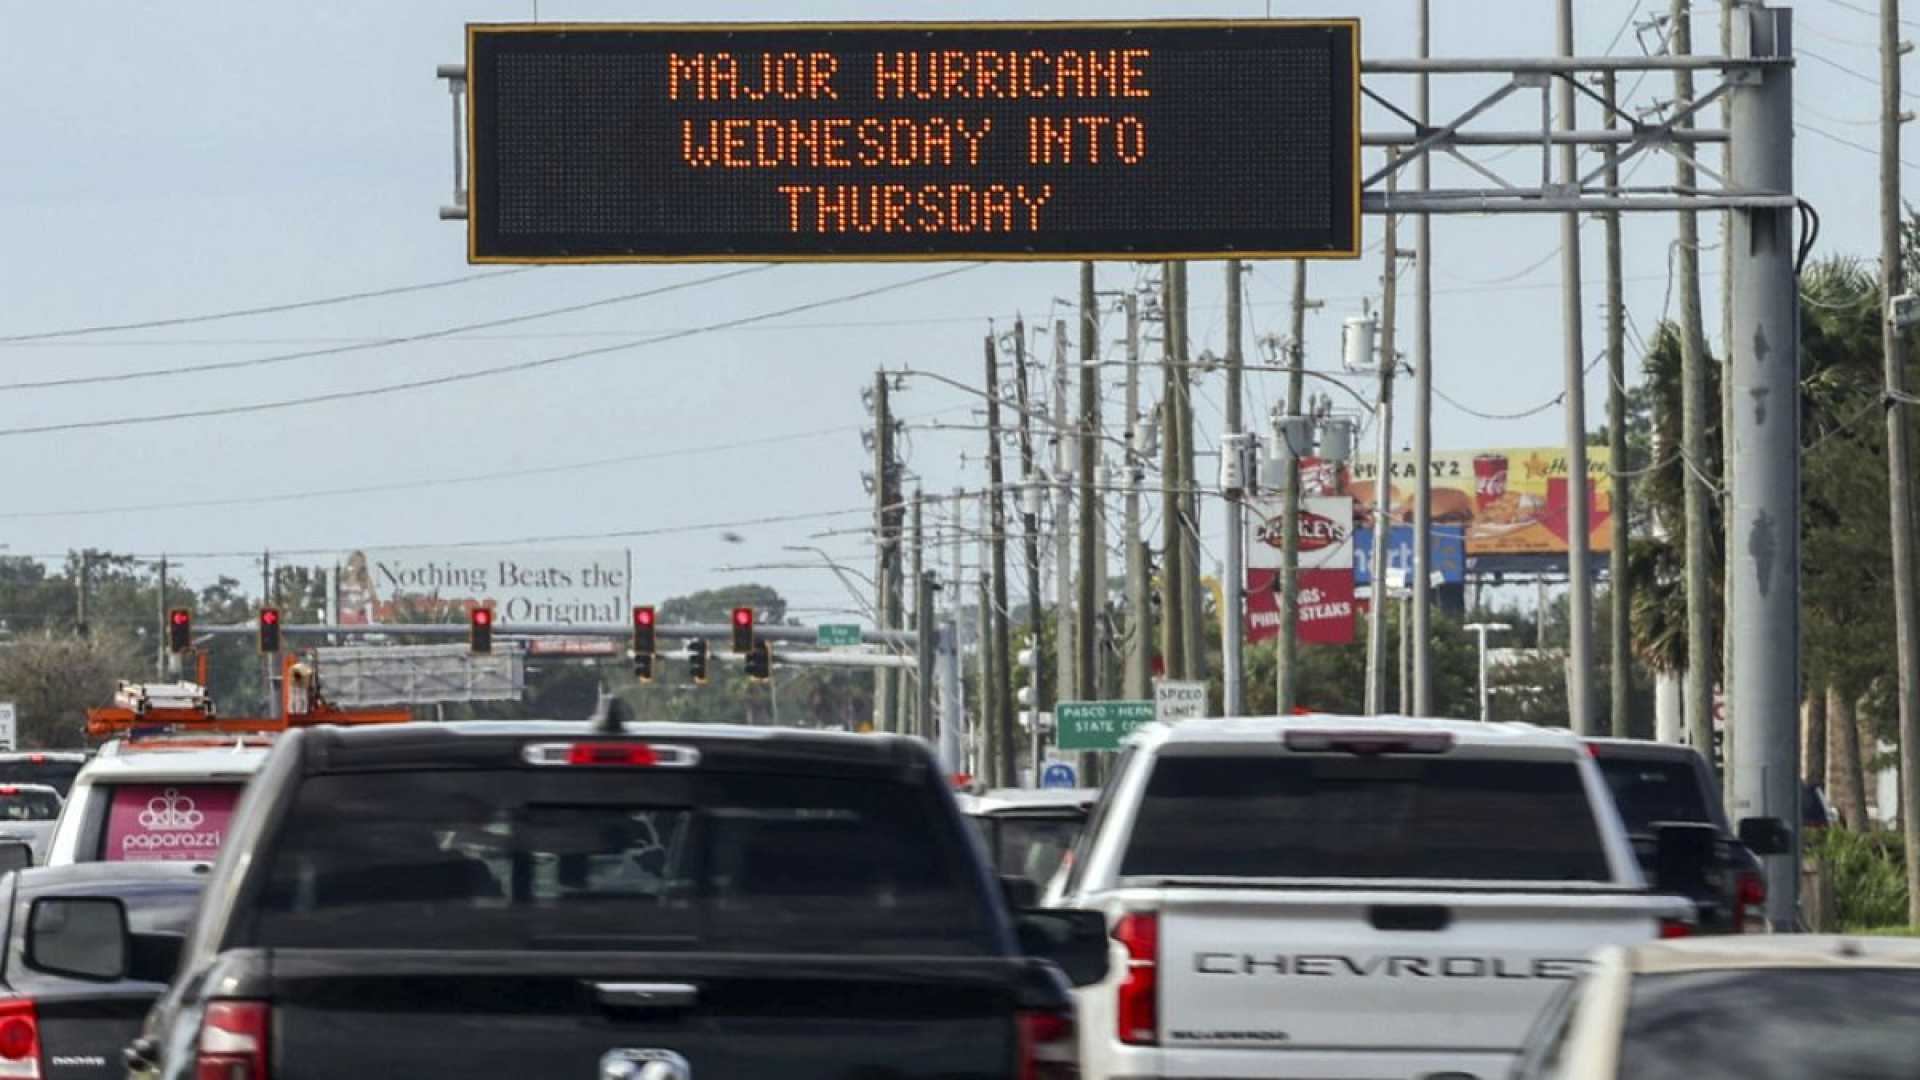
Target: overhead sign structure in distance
column 913, row 141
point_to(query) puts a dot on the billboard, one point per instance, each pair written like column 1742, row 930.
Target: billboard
column 1447, row 546
column 1507, row 501
column 432, row 585
column 1324, row 587
column 649, row 142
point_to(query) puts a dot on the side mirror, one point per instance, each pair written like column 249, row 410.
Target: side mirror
column 1683, row 852
column 1766, row 835
column 1021, row 893
column 1074, row 941
column 15, row 855
column 82, row 937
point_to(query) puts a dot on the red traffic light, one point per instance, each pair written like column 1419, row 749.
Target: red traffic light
column 270, row 616
column 480, row 630
column 482, row 616
column 179, row 630
column 742, row 629
column 181, row 617
column 643, row 616
column 269, row 630
column 743, row 616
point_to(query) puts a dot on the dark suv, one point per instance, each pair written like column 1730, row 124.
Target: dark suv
column 1657, row 785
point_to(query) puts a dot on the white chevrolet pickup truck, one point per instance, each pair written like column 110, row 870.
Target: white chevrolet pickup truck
column 1331, row 897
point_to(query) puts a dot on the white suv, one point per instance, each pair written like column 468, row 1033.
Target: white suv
column 148, row 800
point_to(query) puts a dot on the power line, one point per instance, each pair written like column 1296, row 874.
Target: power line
column 377, row 343
column 1862, row 147
column 482, row 373
column 415, row 485
column 269, row 309
column 1857, row 9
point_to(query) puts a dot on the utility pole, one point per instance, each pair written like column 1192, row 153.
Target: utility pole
column 1029, row 503
column 1065, row 679
column 160, row 659
column 885, row 701
column 988, row 753
column 997, row 532
column 1383, row 460
column 923, row 629
column 1906, row 606
column 1619, row 631
column 1421, row 581
column 1232, row 633
column 1194, row 638
column 266, row 662
column 81, row 588
column 1173, row 590
column 1287, row 645
column 1765, row 507
column 1086, row 674
column 1139, row 605
column 1728, row 13
column 1580, row 581
column 1693, row 421
column 953, row 706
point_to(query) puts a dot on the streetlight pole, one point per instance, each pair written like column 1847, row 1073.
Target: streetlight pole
column 1483, row 629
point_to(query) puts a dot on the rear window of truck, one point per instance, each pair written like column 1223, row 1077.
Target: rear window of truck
column 532, row 859
column 1654, row 791
column 1365, row 817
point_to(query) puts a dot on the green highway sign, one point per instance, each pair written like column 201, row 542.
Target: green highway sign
column 1098, row 725
column 838, row 634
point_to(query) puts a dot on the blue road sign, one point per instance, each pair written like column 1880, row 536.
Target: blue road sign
column 1058, row 774
column 1449, row 553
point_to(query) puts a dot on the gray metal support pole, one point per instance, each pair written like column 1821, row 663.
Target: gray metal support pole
column 1406, row 653
column 1136, row 685
column 1422, row 580
column 1906, row 603
column 1693, row 426
column 1003, row 724
column 1763, row 568
column 1287, row 645
column 1619, row 593
column 986, row 742
column 953, row 694
column 1087, row 600
column 1729, row 17
column 1376, row 698
column 1232, row 588
column 1580, row 583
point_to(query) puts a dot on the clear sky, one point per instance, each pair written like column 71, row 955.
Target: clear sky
column 166, row 160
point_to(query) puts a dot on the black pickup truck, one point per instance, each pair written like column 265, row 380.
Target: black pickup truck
column 582, row 901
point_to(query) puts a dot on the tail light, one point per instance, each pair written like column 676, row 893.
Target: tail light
column 630, row 755
column 1046, row 1045
column 233, row 1041
column 1137, row 1016
column 19, row 1039
column 1675, row 928
column 1750, row 916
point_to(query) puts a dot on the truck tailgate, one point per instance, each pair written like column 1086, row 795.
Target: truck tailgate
column 1364, row 969
column 532, row 1016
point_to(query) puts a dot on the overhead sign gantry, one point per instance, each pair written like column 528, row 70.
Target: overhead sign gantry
column 912, row 141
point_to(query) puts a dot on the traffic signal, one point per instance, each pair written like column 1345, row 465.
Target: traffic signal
column 760, row 661
column 179, row 629
column 697, row 660
column 643, row 641
column 480, row 630
column 743, row 629
column 643, row 667
column 269, row 630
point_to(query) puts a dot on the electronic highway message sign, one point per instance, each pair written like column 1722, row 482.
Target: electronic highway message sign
column 913, row 141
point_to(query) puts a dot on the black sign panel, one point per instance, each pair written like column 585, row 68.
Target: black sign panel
column 915, row 141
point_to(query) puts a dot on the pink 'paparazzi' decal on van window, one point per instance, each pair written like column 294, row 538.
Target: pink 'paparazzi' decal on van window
column 168, row 822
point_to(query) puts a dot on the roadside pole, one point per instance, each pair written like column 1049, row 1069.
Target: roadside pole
column 997, row 539
column 1765, row 505
column 1086, row 680
column 1029, row 504
column 1139, row 603
column 1376, row 698
column 1232, row 630
column 1579, row 534
column 1422, row 573
column 1287, row 645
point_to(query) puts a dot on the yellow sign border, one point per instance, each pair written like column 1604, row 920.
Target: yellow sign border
column 476, row 29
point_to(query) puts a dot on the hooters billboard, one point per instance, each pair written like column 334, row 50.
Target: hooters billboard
column 1324, row 586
